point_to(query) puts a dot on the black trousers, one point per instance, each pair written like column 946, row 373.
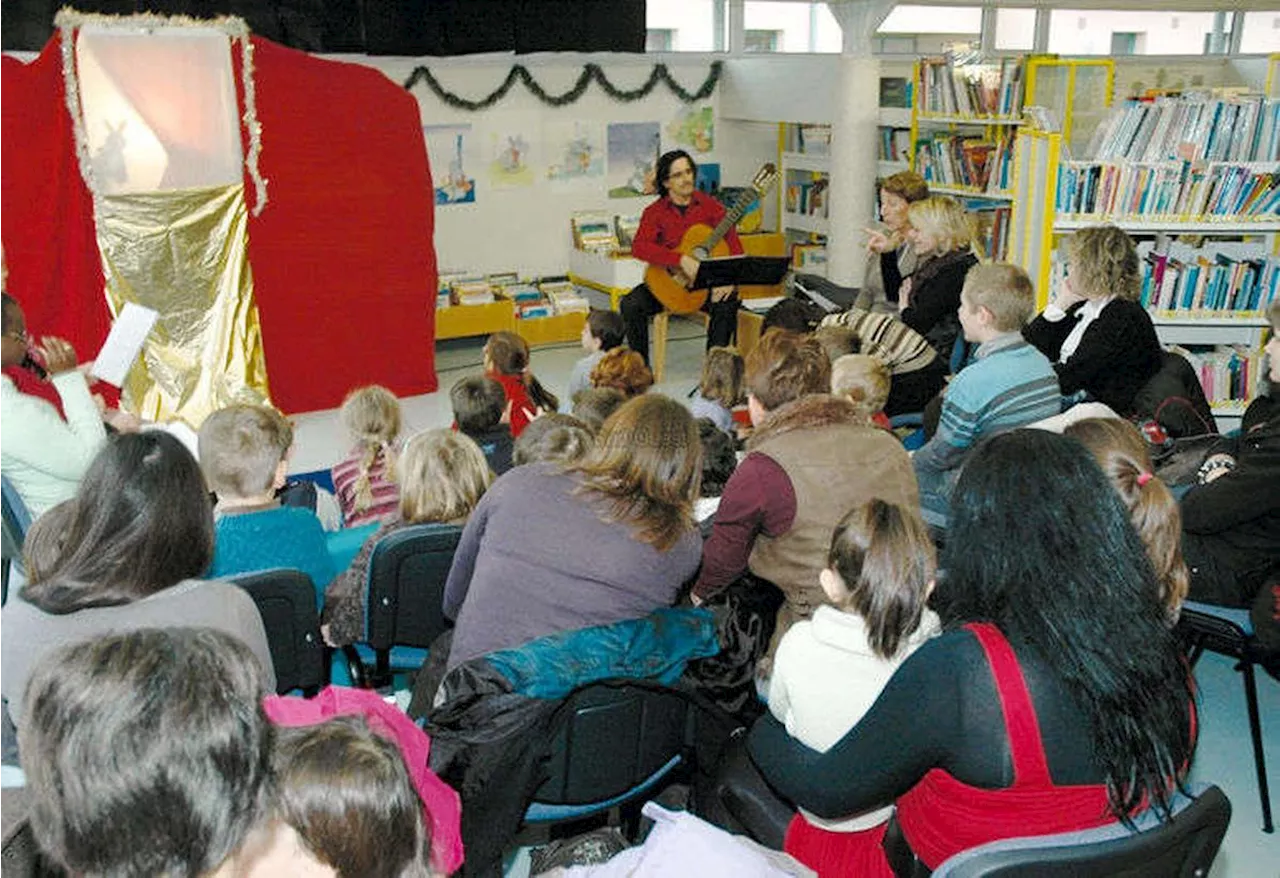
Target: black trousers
column 639, row 305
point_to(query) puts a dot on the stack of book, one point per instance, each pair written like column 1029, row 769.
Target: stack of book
column 565, row 298
column 1238, row 129
column 594, row 232
column 472, row 291
column 968, row 86
column 1217, row 279
column 1169, row 189
column 807, row 193
column 966, row 162
column 1229, row 374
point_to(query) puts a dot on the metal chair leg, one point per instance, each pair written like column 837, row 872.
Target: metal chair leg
column 1255, row 731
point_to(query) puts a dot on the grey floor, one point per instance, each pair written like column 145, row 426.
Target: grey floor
column 1224, row 756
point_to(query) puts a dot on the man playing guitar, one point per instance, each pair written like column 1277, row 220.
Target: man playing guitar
column 662, row 226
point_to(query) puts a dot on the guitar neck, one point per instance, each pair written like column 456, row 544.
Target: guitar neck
column 735, row 213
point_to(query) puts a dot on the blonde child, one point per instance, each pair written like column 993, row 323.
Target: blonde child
column 365, row 481
column 864, row 381
column 506, row 360
column 830, row 669
column 720, row 388
column 443, row 475
column 1122, row 453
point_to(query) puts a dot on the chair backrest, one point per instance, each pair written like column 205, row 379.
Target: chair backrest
column 16, row 520
column 610, row 738
column 1174, row 399
column 286, row 600
column 1183, row 846
column 404, row 595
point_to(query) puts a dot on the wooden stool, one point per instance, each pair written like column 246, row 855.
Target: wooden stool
column 661, row 323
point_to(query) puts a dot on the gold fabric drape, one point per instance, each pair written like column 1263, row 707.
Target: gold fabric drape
column 184, row 253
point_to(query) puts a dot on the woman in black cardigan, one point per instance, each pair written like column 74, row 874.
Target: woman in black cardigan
column 942, row 234
column 1117, row 352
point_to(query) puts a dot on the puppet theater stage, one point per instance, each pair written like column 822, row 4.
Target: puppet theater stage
column 275, row 208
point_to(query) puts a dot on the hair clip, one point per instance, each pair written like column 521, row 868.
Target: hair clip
column 1143, row 478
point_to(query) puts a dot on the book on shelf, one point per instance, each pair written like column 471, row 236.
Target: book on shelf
column 1229, row 374
column 593, row 232
column 993, row 229
column 1194, row 128
column 809, row 139
column 895, row 144
column 625, row 227
column 967, row 85
column 809, row 258
column 1169, row 189
column 1216, row 279
column 966, row 162
column 806, row 194
column 895, row 91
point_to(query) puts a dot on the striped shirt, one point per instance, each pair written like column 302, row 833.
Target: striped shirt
column 886, row 337
column 386, row 493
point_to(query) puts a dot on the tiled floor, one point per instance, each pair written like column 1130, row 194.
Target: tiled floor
column 1224, row 757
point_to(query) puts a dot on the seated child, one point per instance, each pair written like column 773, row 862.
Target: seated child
column 864, row 381
column 624, row 370
column 506, row 360
column 918, row 372
column 602, row 332
column 553, row 437
column 443, row 475
column 1010, row 384
column 478, row 403
column 365, row 481
column 720, row 389
column 594, row 405
column 244, row 453
column 719, row 460
column 830, row 669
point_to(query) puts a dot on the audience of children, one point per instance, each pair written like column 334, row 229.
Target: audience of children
column 1010, row 383
column 594, row 405
column 623, row 370
column 628, row 505
column 864, row 380
column 506, row 360
column 244, row 453
column 719, row 460
column 1098, row 335
column 43, row 455
column 553, row 438
column 443, row 475
column 1053, row 623
column 720, row 389
column 810, row 456
column 602, row 332
column 891, row 254
column 126, row 552
column 918, row 372
column 365, row 480
column 942, row 234
column 831, row 668
column 478, row 405
column 1125, row 458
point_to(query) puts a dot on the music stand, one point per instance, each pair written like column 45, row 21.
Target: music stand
column 740, row 271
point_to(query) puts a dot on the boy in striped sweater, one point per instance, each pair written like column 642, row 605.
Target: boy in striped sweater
column 1010, row 384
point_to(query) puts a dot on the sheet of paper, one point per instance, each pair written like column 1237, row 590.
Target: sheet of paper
column 124, row 342
column 761, row 305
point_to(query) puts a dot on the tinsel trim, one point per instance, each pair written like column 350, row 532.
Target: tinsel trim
column 68, row 20
column 590, row 72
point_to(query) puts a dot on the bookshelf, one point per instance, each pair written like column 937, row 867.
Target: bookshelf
column 805, row 159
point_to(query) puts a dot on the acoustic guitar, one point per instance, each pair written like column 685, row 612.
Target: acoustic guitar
column 670, row 286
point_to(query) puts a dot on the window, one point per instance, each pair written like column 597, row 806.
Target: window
column 960, row 20
column 1015, row 29
column 761, row 40
column 691, row 25
column 1093, row 31
column 1261, row 32
column 1127, row 43
column 799, row 27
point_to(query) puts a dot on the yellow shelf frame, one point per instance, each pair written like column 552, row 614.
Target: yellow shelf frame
column 1039, row 64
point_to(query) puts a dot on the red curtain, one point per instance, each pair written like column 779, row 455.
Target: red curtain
column 46, row 211
column 344, row 266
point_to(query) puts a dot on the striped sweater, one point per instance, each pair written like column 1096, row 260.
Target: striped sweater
column 885, row 336
column 1010, row 384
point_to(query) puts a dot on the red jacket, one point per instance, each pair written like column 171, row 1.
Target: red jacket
column 522, row 407
column 662, row 226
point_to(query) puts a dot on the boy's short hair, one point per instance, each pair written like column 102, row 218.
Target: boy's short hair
column 347, row 794
column 240, row 448
column 594, row 405
column 838, row 341
column 1003, row 289
column 722, row 376
column 145, row 753
column 719, row 458
column 606, row 327
column 863, row 380
column 478, row 402
column 552, row 437
column 785, row 366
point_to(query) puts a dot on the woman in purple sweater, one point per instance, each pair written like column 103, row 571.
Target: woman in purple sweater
column 612, row 537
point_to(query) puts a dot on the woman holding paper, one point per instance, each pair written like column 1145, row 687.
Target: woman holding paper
column 40, row 453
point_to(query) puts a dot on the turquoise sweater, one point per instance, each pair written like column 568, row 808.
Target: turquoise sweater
column 1010, row 384
column 283, row 537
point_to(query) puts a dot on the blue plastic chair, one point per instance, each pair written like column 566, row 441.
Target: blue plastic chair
column 1183, row 846
column 1229, row 631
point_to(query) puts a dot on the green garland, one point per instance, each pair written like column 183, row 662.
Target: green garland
column 589, row 72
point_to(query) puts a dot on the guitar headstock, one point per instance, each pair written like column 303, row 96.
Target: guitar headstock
column 765, row 178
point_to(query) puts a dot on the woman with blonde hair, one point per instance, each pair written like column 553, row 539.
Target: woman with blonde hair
column 443, row 474
column 365, row 480
column 609, row 538
column 1122, row 453
column 942, row 233
column 1108, row 349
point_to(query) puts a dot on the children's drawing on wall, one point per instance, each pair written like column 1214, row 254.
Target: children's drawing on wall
column 633, row 152
column 448, row 147
column 693, row 127
column 575, row 151
column 511, row 158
